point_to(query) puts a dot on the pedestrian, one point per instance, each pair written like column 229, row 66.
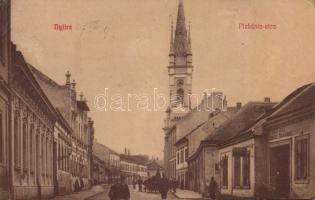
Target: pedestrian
column 164, row 187
column 119, row 191
column 175, row 185
column 145, row 184
column 140, row 184
column 171, row 183
column 112, row 194
column 213, row 186
column 134, row 183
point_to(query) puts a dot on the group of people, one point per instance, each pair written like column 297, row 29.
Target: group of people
column 154, row 184
column 120, row 190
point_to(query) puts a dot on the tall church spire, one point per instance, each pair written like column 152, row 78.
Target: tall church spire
column 181, row 42
column 189, row 41
column 172, row 39
column 180, row 68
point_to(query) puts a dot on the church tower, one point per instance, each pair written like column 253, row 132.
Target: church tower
column 180, row 67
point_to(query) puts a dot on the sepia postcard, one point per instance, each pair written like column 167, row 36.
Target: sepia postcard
column 157, row 99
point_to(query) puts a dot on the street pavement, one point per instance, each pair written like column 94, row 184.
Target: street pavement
column 83, row 194
column 135, row 195
column 101, row 193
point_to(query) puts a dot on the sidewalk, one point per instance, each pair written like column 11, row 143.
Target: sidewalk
column 83, row 194
column 187, row 194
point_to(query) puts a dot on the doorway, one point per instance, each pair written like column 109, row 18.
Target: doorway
column 280, row 171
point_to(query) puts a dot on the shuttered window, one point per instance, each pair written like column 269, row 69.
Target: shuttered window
column 237, row 171
column 301, row 157
column 225, row 172
column 246, row 169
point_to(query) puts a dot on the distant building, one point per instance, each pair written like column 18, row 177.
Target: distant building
column 132, row 167
column 153, row 167
column 100, row 171
column 107, row 159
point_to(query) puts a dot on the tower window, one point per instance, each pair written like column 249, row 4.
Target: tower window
column 180, row 95
column 180, row 83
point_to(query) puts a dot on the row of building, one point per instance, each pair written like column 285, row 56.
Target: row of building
column 261, row 149
column 46, row 135
column 108, row 165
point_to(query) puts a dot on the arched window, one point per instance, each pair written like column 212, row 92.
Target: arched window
column 180, row 83
column 180, row 95
column 16, row 142
column 24, row 132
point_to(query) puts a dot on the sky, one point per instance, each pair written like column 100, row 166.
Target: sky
column 123, row 46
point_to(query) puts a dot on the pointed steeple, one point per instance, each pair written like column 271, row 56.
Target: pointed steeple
column 181, row 43
column 172, row 39
column 189, row 41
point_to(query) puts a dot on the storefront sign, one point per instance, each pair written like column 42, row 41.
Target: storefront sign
column 240, row 151
column 279, row 133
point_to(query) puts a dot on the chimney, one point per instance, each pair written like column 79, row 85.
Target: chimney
column 128, row 152
column 68, row 75
column 224, row 106
column 267, row 100
column 238, row 106
column 81, row 96
column 73, row 84
column 125, row 151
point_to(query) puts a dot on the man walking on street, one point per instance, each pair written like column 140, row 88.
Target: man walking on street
column 119, row 191
column 164, row 187
column 134, row 183
column 213, row 188
column 175, row 185
column 140, row 184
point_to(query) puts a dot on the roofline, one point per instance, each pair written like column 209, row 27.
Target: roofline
column 288, row 99
column 202, row 144
column 31, row 77
column 63, row 121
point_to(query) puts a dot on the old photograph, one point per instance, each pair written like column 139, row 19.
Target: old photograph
column 157, row 99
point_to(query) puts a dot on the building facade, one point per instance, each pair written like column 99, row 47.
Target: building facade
column 5, row 97
column 100, row 171
column 290, row 139
column 33, row 119
column 181, row 163
column 153, row 167
column 62, row 151
column 132, row 168
column 75, row 154
column 108, row 159
column 200, row 152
